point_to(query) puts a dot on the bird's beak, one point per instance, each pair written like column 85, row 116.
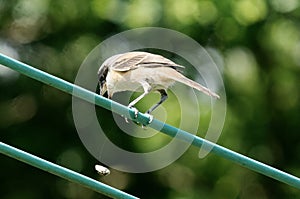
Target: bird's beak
column 103, row 89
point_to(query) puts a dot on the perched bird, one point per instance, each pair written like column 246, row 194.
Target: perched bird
column 132, row 71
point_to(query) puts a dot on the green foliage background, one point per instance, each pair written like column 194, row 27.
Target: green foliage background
column 257, row 43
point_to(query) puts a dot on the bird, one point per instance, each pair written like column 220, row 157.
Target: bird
column 143, row 71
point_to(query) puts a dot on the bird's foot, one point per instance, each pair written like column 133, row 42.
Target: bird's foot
column 150, row 120
column 135, row 115
column 136, row 112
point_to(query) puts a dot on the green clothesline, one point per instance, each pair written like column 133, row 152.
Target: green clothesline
column 144, row 119
column 63, row 172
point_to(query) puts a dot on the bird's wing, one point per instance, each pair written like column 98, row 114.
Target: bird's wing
column 128, row 61
column 133, row 60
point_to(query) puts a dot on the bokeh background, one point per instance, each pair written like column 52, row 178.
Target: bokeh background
column 255, row 42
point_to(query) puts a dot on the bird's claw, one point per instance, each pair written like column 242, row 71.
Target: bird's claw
column 150, row 120
column 136, row 112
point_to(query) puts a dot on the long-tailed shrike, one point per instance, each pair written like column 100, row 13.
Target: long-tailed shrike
column 135, row 70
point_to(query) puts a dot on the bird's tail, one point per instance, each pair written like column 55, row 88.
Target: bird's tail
column 182, row 79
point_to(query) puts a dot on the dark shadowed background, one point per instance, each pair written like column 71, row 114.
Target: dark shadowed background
column 257, row 45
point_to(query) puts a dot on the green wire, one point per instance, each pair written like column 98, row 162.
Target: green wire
column 144, row 119
column 63, row 172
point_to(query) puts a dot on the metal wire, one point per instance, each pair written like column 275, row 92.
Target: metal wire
column 144, row 119
column 63, row 172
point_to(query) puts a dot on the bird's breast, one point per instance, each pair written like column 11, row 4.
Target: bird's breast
column 120, row 81
column 131, row 80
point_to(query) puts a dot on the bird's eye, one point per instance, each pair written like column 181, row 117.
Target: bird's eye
column 101, row 79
